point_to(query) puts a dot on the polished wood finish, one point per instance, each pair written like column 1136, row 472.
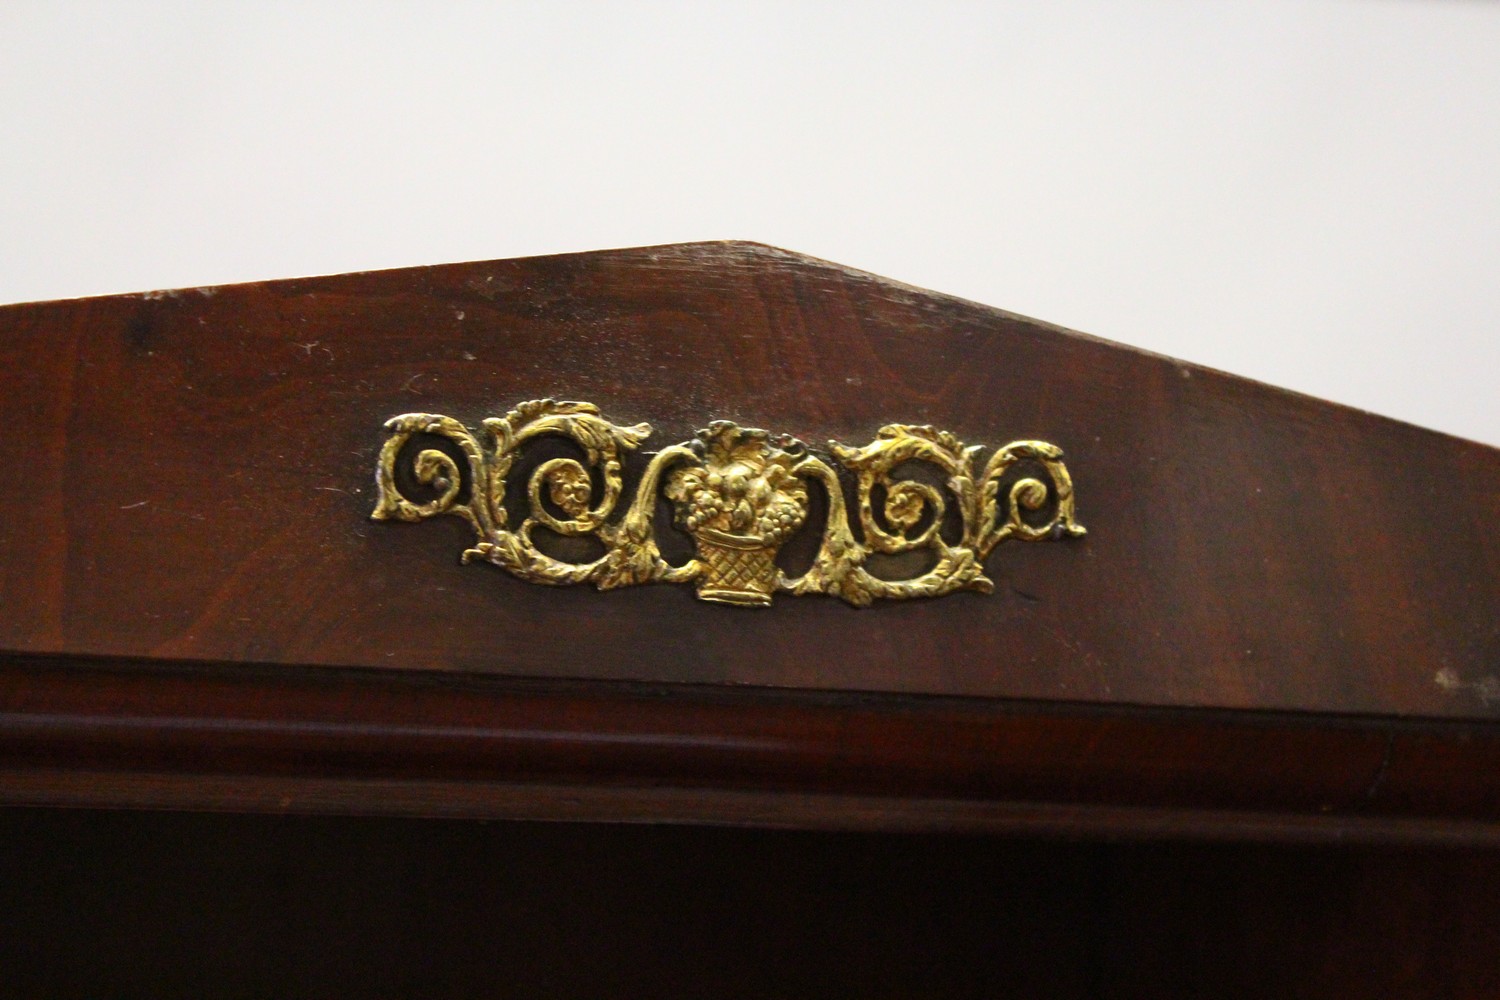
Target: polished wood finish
column 1281, row 634
column 351, row 741
column 1284, row 621
column 198, row 464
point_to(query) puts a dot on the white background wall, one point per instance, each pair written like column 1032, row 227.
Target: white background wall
column 1306, row 193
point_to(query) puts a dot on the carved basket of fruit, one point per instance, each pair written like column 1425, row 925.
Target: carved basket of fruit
column 740, row 503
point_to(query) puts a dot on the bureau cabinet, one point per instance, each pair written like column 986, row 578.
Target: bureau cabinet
column 712, row 620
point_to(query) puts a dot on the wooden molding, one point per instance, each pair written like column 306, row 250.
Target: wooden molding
column 1284, row 612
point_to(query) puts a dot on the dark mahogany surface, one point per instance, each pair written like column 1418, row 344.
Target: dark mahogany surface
column 1284, row 622
column 348, row 741
column 192, row 475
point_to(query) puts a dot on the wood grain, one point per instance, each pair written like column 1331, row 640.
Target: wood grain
column 1284, row 621
column 193, row 482
column 346, row 741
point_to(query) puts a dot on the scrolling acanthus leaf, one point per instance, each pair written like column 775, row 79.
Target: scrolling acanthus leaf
column 740, row 493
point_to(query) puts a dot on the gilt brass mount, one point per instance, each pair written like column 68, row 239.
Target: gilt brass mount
column 740, row 493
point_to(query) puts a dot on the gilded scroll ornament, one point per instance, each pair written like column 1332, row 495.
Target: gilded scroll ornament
column 739, row 492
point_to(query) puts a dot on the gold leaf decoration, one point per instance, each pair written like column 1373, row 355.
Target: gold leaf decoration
column 739, row 492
